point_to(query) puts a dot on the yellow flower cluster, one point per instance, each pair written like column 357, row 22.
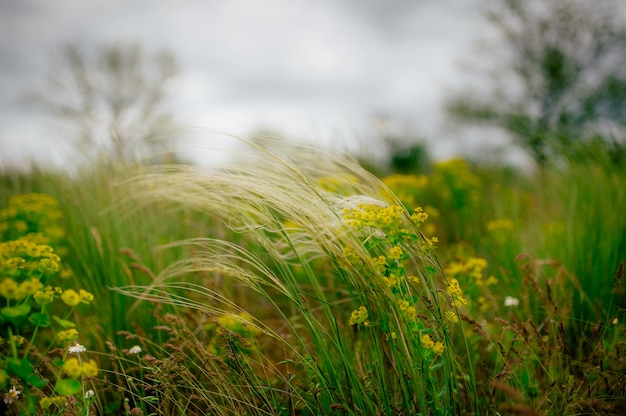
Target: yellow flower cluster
column 407, row 308
column 407, row 187
column 451, row 317
column 238, row 323
column 12, row 290
column 241, row 323
column 390, row 237
column 68, row 335
column 46, row 402
column 31, row 213
column 24, row 254
column 75, row 368
column 436, row 347
column 471, row 268
column 376, row 216
column 350, row 254
column 501, row 224
column 29, row 261
column 395, row 253
column 72, row 298
column 391, row 281
column 419, row 215
column 46, row 295
column 413, row 279
column 379, row 262
column 454, row 290
column 500, row 229
column 455, row 183
column 359, row 316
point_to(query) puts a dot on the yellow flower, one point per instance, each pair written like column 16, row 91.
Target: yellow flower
column 9, row 289
column 379, row 262
column 491, row 281
column 68, row 335
column 44, row 296
column 406, row 187
column 359, row 316
column 33, row 250
column 229, row 321
column 419, row 215
column 395, row 253
column 18, row 339
column 502, row 224
column 30, row 287
column 472, row 267
column 438, row 348
column 435, row 347
column 13, row 264
column 70, row 297
column 391, row 281
column 85, row 296
column 455, row 291
column 72, row 367
column 427, row 342
column 483, row 304
column 459, row 302
column 90, row 368
column 413, row 279
column 66, row 273
column 452, row 317
column 46, row 402
column 50, row 264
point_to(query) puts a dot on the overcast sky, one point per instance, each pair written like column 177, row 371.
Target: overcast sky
column 315, row 69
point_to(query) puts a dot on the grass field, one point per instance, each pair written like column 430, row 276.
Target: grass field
column 297, row 283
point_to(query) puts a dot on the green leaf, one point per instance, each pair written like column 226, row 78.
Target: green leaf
column 15, row 314
column 36, row 381
column 64, row 323
column 68, row 387
column 21, row 368
column 40, row 319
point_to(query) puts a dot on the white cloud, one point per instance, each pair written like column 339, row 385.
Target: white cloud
column 300, row 67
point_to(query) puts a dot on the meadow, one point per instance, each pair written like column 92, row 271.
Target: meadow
column 295, row 282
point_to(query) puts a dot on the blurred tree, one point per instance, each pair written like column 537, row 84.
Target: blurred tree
column 569, row 59
column 112, row 101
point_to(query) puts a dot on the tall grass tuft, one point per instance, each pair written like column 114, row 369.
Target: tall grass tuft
column 327, row 300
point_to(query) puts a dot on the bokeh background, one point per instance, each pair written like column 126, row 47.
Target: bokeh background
column 329, row 71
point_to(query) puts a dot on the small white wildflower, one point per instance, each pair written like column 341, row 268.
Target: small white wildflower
column 511, row 301
column 76, row 349
column 135, row 350
column 89, row 394
column 12, row 395
column 615, row 321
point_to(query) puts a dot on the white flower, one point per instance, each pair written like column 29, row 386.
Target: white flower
column 12, row 395
column 89, row 394
column 511, row 301
column 135, row 350
column 77, row 349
